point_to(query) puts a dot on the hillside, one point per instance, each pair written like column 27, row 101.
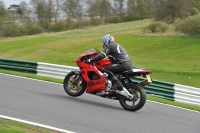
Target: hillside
column 171, row 56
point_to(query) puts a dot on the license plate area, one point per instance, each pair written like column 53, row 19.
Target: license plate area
column 148, row 78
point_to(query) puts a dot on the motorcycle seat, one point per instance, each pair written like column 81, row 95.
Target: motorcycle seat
column 134, row 72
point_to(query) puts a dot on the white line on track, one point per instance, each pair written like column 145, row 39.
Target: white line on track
column 35, row 124
column 29, row 78
column 174, row 106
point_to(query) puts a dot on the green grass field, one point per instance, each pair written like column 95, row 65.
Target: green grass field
column 173, row 57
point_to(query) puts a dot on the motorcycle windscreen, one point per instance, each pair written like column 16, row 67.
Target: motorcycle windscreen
column 92, row 50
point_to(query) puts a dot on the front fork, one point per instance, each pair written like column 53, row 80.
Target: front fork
column 77, row 77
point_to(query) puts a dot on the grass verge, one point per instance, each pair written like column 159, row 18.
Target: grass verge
column 8, row 126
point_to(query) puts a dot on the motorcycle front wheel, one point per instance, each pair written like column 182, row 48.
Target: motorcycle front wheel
column 139, row 97
column 74, row 87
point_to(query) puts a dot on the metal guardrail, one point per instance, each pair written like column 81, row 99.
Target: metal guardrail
column 18, row 65
column 54, row 70
column 158, row 88
column 187, row 94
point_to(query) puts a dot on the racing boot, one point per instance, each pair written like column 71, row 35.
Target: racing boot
column 121, row 90
column 118, row 85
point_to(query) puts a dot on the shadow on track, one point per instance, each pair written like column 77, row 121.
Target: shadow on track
column 81, row 100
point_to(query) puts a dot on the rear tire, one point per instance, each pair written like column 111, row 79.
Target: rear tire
column 72, row 89
column 139, row 97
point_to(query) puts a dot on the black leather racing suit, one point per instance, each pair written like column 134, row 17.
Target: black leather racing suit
column 120, row 59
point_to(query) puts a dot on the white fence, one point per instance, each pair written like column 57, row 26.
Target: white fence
column 187, row 94
column 53, row 70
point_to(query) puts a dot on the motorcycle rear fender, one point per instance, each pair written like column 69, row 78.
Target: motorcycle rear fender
column 144, row 83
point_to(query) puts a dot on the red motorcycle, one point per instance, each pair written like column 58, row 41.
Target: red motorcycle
column 91, row 79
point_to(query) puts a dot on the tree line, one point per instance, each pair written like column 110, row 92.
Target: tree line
column 58, row 15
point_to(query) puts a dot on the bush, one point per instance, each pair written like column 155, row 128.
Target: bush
column 157, row 27
column 190, row 26
column 74, row 24
column 153, row 27
column 85, row 23
column 59, row 26
column 194, row 11
column 11, row 30
column 163, row 27
column 113, row 19
column 96, row 21
column 16, row 29
column 33, row 29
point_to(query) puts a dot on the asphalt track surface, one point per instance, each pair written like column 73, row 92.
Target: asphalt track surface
column 47, row 103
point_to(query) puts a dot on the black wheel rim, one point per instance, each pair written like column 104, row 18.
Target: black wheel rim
column 136, row 99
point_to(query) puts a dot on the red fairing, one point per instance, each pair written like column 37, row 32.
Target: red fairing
column 95, row 81
column 93, row 77
column 103, row 63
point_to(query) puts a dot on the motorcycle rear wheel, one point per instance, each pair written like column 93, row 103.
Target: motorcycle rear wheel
column 72, row 89
column 139, row 97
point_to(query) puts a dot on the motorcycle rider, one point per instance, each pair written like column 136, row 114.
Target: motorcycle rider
column 119, row 57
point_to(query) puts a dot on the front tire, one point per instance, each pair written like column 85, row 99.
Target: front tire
column 72, row 87
column 139, row 97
